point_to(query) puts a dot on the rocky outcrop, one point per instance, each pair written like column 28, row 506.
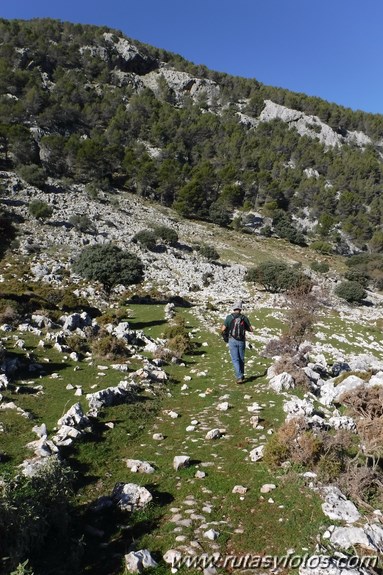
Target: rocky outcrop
column 311, row 126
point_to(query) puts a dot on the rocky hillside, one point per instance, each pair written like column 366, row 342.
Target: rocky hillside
column 90, row 105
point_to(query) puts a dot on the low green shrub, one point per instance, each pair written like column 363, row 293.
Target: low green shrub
column 166, row 235
column 40, row 209
column 360, row 277
column 277, row 276
column 320, row 267
column 351, row 291
column 36, row 514
column 209, row 252
column 110, row 265
column 276, row 451
column 109, row 347
column 33, row 175
column 329, row 467
column 78, row 344
column 322, row 247
column 82, row 223
column 146, row 238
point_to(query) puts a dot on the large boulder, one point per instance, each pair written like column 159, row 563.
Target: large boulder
column 130, row 497
column 282, row 381
column 337, row 507
column 122, row 393
column 349, row 384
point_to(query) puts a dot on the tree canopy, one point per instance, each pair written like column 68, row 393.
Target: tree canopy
column 109, row 265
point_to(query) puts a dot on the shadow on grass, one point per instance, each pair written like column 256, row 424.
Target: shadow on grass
column 147, row 299
column 111, row 533
column 23, row 371
column 256, row 376
column 160, row 498
column 145, row 324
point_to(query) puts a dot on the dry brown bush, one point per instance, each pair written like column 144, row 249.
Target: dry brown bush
column 365, row 405
column 364, row 402
column 371, row 434
column 293, row 441
column 9, row 315
column 109, row 347
column 301, row 316
column 307, row 449
column 302, row 313
column 281, row 346
column 363, row 485
column 340, row 442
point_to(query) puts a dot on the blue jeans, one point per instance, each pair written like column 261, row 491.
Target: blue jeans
column 237, row 353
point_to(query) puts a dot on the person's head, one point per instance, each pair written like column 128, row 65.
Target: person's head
column 237, row 307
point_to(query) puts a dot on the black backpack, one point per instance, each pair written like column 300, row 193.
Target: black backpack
column 238, row 327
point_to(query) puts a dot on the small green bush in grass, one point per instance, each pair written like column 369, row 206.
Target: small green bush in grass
column 109, row 347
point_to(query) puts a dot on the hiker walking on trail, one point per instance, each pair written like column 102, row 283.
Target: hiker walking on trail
column 234, row 332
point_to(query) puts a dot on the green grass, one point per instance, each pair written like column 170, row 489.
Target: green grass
column 253, row 524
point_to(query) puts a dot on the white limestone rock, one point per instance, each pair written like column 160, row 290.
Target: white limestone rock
column 281, row 382
column 351, row 383
column 257, row 453
column 254, row 421
column 214, row 434
column 200, row 474
column 211, row 534
column 346, row 537
column 337, row 506
column 223, row 406
column 181, row 461
column 254, row 407
column 267, row 487
column 74, row 417
column 342, row 422
column 137, row 561
column 138, row 466
column 129, row 496
column 240, row 489
column 40, row 430
column 296, row 407
column 172, row 556
column 328, row 392
column 3, row 381
column 122, row 393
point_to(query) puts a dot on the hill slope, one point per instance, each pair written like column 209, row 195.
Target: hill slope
column 86, row 103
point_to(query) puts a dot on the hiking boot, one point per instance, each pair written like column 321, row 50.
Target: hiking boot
column 241, row 380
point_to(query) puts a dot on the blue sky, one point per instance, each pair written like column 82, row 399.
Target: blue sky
column 327, row 48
